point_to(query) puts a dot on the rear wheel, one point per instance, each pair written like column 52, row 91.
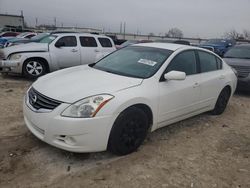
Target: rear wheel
column 129, row 131
column 34, row 68
column 222, row 101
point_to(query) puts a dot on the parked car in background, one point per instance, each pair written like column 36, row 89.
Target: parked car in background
column 54, row 52
column 131, row 42
column 9, row 34
column 117, row 41
column 26, row 35
column 184, row 42
column 218, row 46
column 115, row 102
column 239, row 58
column 5, row 36
column 17, row 41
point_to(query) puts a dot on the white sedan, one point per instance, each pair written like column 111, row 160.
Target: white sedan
column 115, row 102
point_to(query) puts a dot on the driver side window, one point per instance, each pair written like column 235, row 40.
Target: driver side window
column 67, row 41
column 184, row 62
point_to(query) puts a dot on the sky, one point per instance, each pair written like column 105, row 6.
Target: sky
column 196, row 18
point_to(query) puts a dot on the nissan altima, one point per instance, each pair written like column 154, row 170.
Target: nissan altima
column 113, row 104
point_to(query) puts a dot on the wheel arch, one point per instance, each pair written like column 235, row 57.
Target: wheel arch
column 38, row 58
column 141, row 105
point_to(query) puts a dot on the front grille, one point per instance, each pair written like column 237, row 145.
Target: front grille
column 39, row 101
column 243, row 71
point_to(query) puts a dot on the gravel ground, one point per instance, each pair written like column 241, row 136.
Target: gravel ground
column 203, row 151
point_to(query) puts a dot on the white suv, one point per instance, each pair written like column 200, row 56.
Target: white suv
column 57, row 51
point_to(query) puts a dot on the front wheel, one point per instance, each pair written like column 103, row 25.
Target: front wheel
column 128, row 132
column 34, row 68
column 221, row 102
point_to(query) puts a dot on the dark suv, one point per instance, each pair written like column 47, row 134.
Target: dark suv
column 238, row 57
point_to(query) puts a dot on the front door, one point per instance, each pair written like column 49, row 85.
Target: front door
column 68, row 54
column 179, row 97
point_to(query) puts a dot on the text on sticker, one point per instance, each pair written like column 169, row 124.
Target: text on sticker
column 147, row 62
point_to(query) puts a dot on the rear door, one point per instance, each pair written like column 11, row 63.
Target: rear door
column 107, row 46
column 67, row 55
column 212, row 78
column 89, row 49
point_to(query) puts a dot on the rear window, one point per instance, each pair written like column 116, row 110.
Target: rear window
column 88, row 42
column 208, row 62
column 105, row 42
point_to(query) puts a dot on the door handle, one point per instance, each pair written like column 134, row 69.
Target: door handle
column 97, row 50
column 73, row 50
column 196, row 85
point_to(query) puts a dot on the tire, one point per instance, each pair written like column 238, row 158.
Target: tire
column 128, row 132
column 34, row 68
column 221, row 102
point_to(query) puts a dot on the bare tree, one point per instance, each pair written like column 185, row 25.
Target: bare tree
column 233, row 34
column 246, row 34
column 175, row 33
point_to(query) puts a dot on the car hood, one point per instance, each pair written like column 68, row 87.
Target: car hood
column 29, row 47
column 72, row 84
column 237, row 61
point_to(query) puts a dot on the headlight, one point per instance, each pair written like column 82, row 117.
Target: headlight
column 15, row 56
column 88, row 107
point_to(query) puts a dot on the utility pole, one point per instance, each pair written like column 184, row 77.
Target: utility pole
column 55, row 21
column 36, row 22
column 124, row 30
column 121, row 28
column 22, row 19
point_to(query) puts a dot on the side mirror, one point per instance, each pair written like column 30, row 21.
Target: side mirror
column 175, row 75
column 59, row 44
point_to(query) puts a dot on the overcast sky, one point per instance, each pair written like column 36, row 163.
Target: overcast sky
column 196, row 18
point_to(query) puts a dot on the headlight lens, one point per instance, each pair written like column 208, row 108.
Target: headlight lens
column 15, row 56
column 88, row 107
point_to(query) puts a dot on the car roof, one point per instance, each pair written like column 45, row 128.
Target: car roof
column 79, row 34
column 167, row 46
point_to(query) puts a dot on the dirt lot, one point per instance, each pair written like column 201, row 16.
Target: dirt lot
column 204, row 151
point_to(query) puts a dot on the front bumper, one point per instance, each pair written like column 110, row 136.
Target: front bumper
column 11, row 66
column 71, row 134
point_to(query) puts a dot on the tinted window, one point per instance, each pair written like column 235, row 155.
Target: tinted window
column 68, row 41
column 9, row 35
column 208, row 62
column 219, row 63
column 184, row 62
column 29, row 36
column 105, row 42
column 88, row 42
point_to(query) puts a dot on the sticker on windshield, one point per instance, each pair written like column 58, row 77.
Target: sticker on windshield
column 147, row 62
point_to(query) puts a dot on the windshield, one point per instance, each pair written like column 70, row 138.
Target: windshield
column 48, row 39
column 238, row 52
column 134, row 61
column 21, row 35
